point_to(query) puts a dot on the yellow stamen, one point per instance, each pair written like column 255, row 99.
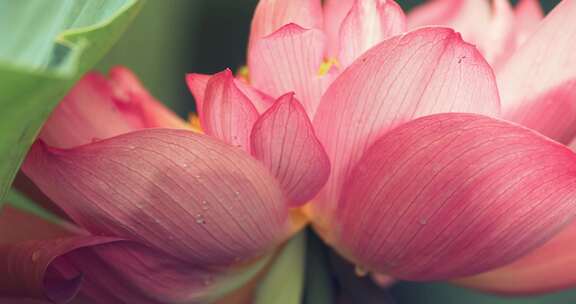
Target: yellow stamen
column 195, row 123
column 327, row 65
column 244, row 73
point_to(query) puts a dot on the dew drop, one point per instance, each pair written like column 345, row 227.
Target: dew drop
column 360, row 271
column 423, row 221
column 200, row 219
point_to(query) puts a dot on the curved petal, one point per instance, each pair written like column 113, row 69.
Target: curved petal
column 78, row 118
column 138, row 105
column 261, row 101
column 183, row 193
column 271, row 15
column 547, row 269
column 455, row 194
column 121, row 102
column 427, row 71
column 227, row 113
column 541, row 68
column 284, row 140
column 368, row 23
column 289, row 60
column 334, row 13
column 197, row 85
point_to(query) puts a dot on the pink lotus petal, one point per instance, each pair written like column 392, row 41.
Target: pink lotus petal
column 368, row 23
column 227, row 113
column 27, row 268
column 334, row 13
column 289, row 60
column 540, row 76
column 197, row 85
column 547, row 269
column 186, row 194
column 427, row 71
column 138, row 105
column 271, row 15
column 528, row 15
column 261, row 101
column 284, row 140
column 453, row 195
column 77, row 119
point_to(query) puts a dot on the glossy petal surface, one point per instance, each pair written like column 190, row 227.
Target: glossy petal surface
column 455, row 194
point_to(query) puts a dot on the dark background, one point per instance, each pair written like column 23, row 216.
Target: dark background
column 170, row 38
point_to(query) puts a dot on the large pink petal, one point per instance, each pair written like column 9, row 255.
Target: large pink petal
column 547, row 269
column 261, row 101
column 271, row 15
column 427, row 71
column 78, row 118
column 121, row 102
column 186, row 194
column 334, row 13
column 368, row 23
column 197, row 85
column 284, row 140
column 455, row 194
column 541, row 75
column 226, row 112
column 289, row 60
column 138, row 105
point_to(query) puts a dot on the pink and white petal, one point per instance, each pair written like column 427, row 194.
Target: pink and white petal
column 283, row 139
column 271, row 15
column 547, row 269
column 227, row 113
column 197, row 85
column 189, row 195
column 368, row 23
column 289, row 60
column 454, row 194
column 498, row 41
column 261, row 101
column 334, row 13
column 550, row 54
column 138, row 105
column 528, row 15
column 427, row 71
column 78, row 118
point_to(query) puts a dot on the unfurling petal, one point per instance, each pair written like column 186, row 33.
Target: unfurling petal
column 77, row 119
column 197, row 85
column 547, row 269
column 528, row 15
column 185, row 194
column 541, row 74
column 289, row 60
column 427, row 71
column 227, row 113
column 271, row 15
column 455, row 194
column 120, row 101
column 334, row 13
column 284, row 140
column 368, row 23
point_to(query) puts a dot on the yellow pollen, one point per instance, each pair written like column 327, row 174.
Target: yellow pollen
column 326, row 65
column 244, row 73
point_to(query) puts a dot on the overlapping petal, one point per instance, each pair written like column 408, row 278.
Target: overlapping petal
column 197, row 85
column 368, row 23
column 190, row 196
column 427, row 71
column 455, row 194
column 271, row 15
column 283, row 139
column 227, row 113
column 541, row 75
column 547, row 269
column 289, row 60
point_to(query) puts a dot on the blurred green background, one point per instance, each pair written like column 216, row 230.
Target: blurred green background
column 170, row 38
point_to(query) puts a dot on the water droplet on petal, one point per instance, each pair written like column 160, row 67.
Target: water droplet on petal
column 423, row 221
column 200, row 219
column 35, row 256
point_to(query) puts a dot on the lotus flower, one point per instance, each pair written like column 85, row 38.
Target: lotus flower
column 441, row 169
column 162, row 214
